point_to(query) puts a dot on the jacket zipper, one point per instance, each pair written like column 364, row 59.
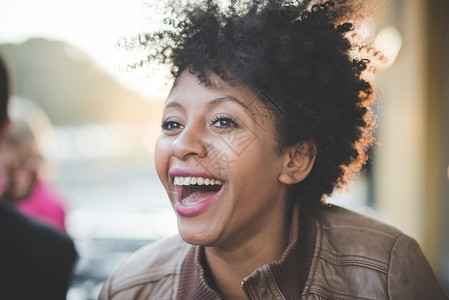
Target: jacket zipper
column 245, row 290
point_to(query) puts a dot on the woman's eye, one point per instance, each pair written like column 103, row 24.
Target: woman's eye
column 224, row 122
column 171, row 125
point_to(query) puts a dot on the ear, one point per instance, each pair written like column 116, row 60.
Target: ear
column 298, row 162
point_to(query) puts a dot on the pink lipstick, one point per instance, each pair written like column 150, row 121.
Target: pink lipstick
column 195, row 191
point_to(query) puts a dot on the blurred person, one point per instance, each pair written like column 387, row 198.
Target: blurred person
column 269, row 112
column 42, row 203
column 36, row 261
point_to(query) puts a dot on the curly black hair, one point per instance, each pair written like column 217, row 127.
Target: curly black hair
column 300, row 55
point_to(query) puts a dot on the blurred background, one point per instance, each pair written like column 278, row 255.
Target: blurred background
column 95, row 123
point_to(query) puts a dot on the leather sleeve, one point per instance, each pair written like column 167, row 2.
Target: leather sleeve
column 410, row 275
column 104, row 294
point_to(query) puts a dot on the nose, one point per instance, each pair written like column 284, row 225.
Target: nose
column 189, row 143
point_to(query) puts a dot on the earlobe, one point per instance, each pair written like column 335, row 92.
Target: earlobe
column 298, row 162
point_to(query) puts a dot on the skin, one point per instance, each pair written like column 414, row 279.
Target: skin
column 248, row 225
column 20, row 162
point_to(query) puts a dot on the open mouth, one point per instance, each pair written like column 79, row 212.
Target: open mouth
column 194, row 190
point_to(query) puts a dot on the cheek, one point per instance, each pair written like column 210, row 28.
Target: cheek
column 162, row 158
column 258, row 166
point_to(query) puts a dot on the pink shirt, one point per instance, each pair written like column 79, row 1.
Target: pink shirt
column 45, row 206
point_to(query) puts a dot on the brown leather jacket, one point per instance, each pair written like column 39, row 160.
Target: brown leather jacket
column 341, row 254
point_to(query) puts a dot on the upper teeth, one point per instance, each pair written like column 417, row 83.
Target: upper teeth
column 196, row 180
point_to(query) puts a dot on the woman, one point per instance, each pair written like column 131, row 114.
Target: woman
column 269, row 113
column 43, row 203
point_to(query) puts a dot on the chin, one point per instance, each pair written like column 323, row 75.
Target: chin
column 194, row 235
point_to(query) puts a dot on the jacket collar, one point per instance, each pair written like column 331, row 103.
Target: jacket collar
column 282, row 279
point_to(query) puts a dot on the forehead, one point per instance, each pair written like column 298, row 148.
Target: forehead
column 188, row 87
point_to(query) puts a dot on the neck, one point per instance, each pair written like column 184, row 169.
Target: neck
column 229, row 266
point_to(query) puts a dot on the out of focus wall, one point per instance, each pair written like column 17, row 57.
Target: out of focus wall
column 411, row 160
column 436, row 241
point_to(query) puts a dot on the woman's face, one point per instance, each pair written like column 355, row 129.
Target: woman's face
column 216, row 157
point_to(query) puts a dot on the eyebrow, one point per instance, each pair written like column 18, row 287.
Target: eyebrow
column 174, row 104
column 226, row 98
column 213, row 102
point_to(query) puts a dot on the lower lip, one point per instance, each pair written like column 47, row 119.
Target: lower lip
column 195, row 209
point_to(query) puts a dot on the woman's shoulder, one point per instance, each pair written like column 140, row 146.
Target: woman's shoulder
column 333, row 219
column 353, row 246
column 157, row 257
column 157, row 264
column 347, row 235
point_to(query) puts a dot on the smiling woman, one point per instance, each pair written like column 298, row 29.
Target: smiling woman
column 268, row 114
column 199, row 125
